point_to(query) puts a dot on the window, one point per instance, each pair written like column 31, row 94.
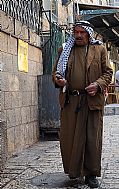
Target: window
column 54, row 7
column 116, row 3
column 100, row 2
column 65, row 2
column 111, row 2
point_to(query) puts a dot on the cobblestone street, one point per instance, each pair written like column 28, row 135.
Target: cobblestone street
column 40, row 166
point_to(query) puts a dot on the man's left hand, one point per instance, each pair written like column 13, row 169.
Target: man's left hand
column 92, row 89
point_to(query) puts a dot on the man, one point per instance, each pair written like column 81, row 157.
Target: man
column 82, row 72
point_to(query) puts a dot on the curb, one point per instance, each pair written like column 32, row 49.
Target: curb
column 111, row 109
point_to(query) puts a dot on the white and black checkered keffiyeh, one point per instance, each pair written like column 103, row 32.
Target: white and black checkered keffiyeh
column 62, row 63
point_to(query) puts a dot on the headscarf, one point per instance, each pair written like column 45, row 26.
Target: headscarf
column 62, row 63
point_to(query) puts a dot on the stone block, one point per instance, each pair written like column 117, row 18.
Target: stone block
column 34, row 97
column 3, row 115
column 8, row 100
column 11, row 120
column 2, row 99
column 109, row 111
column 22, row 137
column 27, row 82
column 1, row 61
column 34, row 113
column 38, row 41
column 25, row 113
column 10, row 140
column 9, row 82
column 30, row 134
column 7, row 23
column 36, row 129
column 34, row 54
column 24, row 83
column 26, row 134
column 26, row 98
column 31, row 51
column 12, row 45
column 3, row 145
column 32, row 68
column 13, row 82
column 3, row 42
column 16, row 138
column 15, row 64
column 4, row 81
column 7, row 62
column 35, row 68
column 1, row 45
column 19, row 138
column 39, row 69
column 16, row 99
column 21, row 31
column 31, row 139
column 33, row 83
column 116, row 110
column 35, row 39
column 18, row 116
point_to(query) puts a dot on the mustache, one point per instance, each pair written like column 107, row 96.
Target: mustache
column 77, row 38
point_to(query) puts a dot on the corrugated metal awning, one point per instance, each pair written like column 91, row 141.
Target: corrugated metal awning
column 107, row 26
column 105, row 20
column 83, row 6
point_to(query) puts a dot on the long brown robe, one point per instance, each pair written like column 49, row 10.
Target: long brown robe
column 81, row 131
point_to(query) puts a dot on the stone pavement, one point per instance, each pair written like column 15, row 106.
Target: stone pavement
column 40, row 166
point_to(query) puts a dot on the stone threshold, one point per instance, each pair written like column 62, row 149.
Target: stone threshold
column 111, row 109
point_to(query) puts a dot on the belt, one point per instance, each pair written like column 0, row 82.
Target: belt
column 77, row 92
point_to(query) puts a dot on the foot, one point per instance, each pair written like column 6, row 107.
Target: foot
column 73, row 178
column 92, row 181
column 76, row 181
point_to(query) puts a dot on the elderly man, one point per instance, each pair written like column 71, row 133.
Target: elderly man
column 82, row 72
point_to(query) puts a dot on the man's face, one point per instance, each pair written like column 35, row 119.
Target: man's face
column 81, row 36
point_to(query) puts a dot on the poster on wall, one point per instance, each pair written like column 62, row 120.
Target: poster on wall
column 22, row 56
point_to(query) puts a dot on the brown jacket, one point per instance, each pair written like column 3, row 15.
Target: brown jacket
column 98, row 70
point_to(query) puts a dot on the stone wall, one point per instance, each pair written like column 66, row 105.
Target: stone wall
column 3, row 145
column 19, row 95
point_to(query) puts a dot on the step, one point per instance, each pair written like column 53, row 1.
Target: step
column 111, row 109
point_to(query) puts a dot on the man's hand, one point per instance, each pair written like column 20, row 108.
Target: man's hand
column 60, row 81
column 92, row 89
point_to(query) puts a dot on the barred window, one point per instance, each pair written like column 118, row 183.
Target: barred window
column 28, row 12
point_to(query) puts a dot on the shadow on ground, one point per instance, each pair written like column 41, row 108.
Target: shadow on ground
column 55, row 180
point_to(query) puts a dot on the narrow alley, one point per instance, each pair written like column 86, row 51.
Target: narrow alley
column 31, row 33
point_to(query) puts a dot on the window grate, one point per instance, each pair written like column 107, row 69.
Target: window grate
column 27, row 12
